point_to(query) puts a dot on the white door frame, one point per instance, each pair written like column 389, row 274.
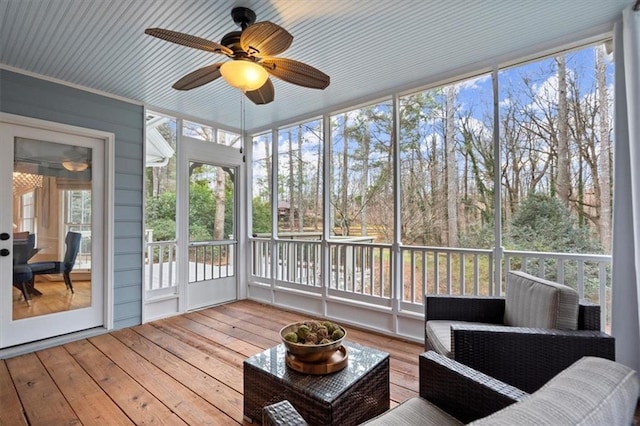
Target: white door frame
column 191, row 149
column 108, row 208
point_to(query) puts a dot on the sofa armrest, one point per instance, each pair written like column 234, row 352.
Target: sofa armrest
column 281, row 414
column 526, row 357
column 488, row 310
column 461, row 391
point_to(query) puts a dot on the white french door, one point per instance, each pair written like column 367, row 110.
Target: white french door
column 51, row 191
column 210, row 245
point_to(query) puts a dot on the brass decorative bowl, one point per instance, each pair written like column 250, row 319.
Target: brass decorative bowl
column 309, row 352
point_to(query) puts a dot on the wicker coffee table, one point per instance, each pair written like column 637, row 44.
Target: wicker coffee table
column 350, row 396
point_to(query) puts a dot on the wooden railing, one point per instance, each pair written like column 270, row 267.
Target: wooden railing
column 210, row 260
column 441, row 270
column 364, row 271
column 160, row 264
column 359, row 270
column 207, row 260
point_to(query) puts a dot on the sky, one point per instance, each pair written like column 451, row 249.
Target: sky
column 475, row 95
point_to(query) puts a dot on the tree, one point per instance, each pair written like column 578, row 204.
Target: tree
column 605, row 150
column 267, row 165
column 262, row 184
column 417, row 214
column 477, row 149
column 452, row 169
column 543, row 223
column 220, row 202
column 563, row 184
column 344, row 184
column 291, row 186
column 317, row 193
column 261, row 220
column 161, row 216
column 201, row 211
column 554, row 140
column 300, row 202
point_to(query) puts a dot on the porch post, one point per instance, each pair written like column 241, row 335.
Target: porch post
column 396, row 259
column 273, row 248
column 327, row 217
column 495, row 288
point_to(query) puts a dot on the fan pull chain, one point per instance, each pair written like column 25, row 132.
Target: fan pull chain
column 242, row 124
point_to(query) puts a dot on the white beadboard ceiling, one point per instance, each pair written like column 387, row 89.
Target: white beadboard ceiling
column 369, row 48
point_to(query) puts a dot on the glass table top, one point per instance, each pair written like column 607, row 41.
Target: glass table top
column 325, row 387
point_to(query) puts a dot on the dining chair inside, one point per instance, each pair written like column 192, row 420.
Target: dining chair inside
column 64, row 266
column 22, row 274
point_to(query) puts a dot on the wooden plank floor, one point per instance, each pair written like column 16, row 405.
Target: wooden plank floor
column 181, row 370
column 55, row 298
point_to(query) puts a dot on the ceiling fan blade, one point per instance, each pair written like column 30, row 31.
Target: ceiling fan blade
column 198, row 77
column 263, row 95
column 188, row 40
column 265, row 39
column 296, row 72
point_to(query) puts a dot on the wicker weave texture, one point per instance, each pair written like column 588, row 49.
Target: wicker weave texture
column 526, row 358
column 523, row 357
column 489, row 310
column 352, row 402
column 589, row 316
column 461, row 391
column 282, row 413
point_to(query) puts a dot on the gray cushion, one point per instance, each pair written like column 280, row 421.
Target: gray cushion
column 414, row 411
column 593, row 391
column 539, row 303
column 439, row 335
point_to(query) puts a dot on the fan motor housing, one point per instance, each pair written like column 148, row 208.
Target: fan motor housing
column 243, row 16
column 232, row 41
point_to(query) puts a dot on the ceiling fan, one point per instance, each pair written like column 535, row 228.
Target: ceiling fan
column 252, row 51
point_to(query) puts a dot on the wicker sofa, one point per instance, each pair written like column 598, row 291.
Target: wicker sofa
column 590, row 391
column 525, row 338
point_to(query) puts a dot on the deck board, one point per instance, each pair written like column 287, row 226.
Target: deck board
column 42, row 401
column 10, row 408
column 215, row 367
column 180, row 370
column 188, row 405
column 90, row 403
column 138, row 403
column 225, row 398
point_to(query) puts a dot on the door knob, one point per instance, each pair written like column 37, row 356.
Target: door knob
column 4, row 252
column 4, row 236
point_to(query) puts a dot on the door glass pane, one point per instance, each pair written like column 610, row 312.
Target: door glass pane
column 211, row 221
column 52, row 227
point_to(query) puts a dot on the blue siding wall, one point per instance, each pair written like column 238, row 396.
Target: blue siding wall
column 32, row 97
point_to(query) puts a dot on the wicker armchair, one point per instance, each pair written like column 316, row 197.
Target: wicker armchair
column 454, row 388
column 524, row 357
column 590, row 391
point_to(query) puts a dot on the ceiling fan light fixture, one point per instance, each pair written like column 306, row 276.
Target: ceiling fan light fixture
column 253, row 53
column 244, row 75
column 75, row 166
